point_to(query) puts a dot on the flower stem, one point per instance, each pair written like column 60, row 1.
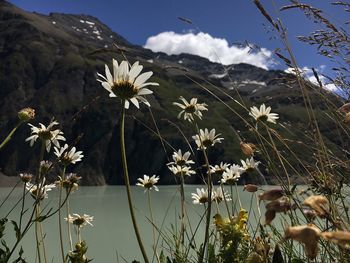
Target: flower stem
column 127, row 183
column 9, row 136
column 153, row 224
column 59, row 214
column 68, row 224
column 182, row 191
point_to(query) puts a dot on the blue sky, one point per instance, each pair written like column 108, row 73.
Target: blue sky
column 230, row 20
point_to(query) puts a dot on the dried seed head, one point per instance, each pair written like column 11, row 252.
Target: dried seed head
column 271, row 195
column 310, row 213
column 307, row 235
column 26, row 177
column 247, row 148
column 318, row 203
column 269, row 216
column 26, row 114
column 251, row 188
column 345, row 108
column 347, row 118
column 341, row 238
column 277, row 206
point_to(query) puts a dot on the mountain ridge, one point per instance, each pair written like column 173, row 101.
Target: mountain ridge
column 50, row 63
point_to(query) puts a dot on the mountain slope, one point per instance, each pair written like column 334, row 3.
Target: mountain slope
column 50, row 63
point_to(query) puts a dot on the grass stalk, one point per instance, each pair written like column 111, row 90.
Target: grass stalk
column 127, row 183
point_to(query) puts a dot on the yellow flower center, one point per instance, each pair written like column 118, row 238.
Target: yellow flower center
column 124, row 89
column 190, row 109
column 207, row 142
column 148, row 185
column 203, row 199
column 263, row 118
column 181, row 162
column 249, row 169
column 45, row 135
column 79, row 221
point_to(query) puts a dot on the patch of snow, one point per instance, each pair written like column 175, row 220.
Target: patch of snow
column 78, row 29
column 180, row 62
column 150, row 61
column 254, row 82
column 89, row 22
column 54, row 22
column 218, row 76
column 105, row 46
column 96, row 32
column 99, row 37
column 111, row 36
column 255, row 90
column 91, row 26
column 82, row 21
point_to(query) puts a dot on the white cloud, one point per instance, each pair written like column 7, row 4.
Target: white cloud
column 204, row 45
column 309, row 75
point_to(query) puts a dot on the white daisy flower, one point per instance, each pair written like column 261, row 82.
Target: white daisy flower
column 47, row 134
column 263, row 114
column 249, row 165
column 181, row 170
column 80, row 221
column 127, row 84
column 148, row 182
column 220, row 195
column 66, row 156
column 219, row 169
column 232, row 174
column 39, row 192
column 206, row 139
column 181, row 159
column 190, row 109
column 201, row 197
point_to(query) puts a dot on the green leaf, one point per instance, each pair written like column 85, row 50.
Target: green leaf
column 3, row 221
column 17, row 230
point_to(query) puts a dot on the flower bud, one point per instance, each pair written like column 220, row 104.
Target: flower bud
column 45, row 166
column 26, row 177
column 247, row 148
column 251, row 188
column 26, row 114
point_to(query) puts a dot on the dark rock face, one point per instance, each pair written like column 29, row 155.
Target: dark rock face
column 50, row 62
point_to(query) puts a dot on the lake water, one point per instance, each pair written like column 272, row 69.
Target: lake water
column 112, row 237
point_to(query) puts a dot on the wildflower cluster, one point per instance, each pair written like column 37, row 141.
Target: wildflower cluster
column 218, row 195
column 181, row 164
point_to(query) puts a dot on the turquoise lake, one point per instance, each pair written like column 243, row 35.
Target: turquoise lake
column 112, row 237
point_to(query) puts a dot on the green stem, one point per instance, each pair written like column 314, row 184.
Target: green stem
column 210, row 188
column 68, row 224
column 127, row 184
column 22, row 207
column 59, row 214
column 37, row 237
column 182, row 191
column 9, row 136
column 153, row 224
